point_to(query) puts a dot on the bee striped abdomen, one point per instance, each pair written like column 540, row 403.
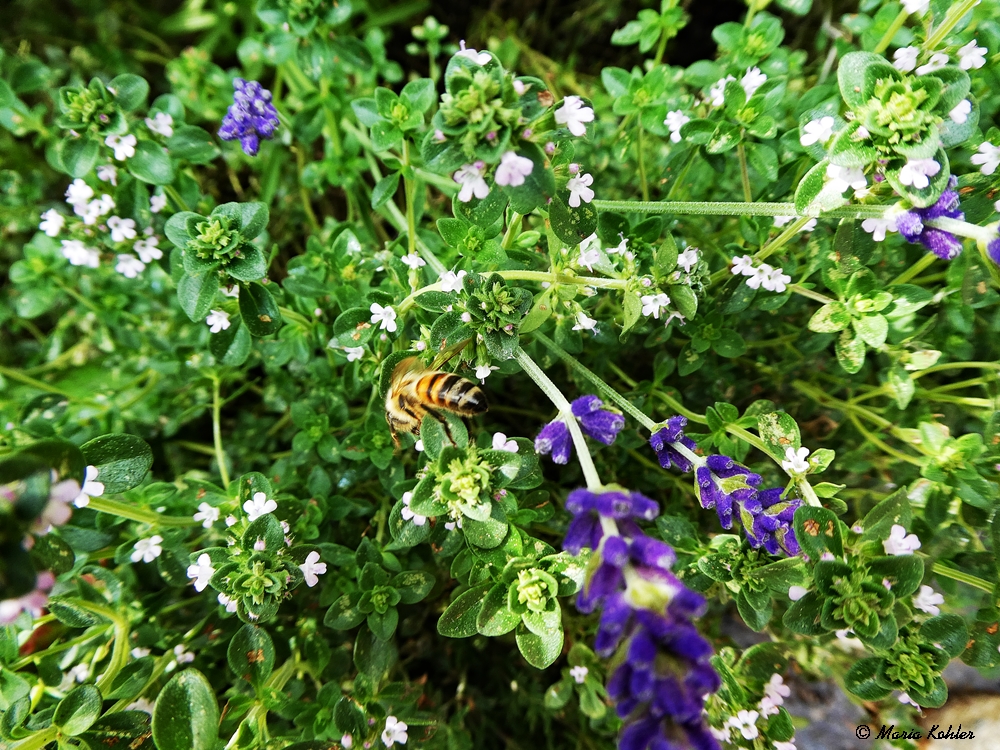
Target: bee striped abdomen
column 452, row 392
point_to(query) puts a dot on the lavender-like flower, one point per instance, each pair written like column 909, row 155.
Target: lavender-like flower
column 943, row 244
column 663, row 672
column 662, row 442
column 251, row 116
column 595, row 419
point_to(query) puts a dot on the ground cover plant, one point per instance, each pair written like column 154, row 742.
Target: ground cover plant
column 713, row 327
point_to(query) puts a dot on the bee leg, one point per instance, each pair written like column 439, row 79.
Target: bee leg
column 444, row 423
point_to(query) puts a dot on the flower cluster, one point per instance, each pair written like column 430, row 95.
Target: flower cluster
column 664, row 674
column 251, row 116
column 762, row 275
column 912, row 224
column 596, row 420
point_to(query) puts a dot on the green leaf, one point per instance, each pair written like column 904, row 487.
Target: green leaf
column 572, row 225
column 384, row 189
column 384, row 625
column 259, row 310
column 151, row 164
column 232, row 346
column 904, row 573
column 176, row 228
column 780, row 432
column 196, row 294
column 344, row 613
column 459, row 619
column 539, row 651
column 489, row 533
column 130, row 91
column 860, row 679
column 121, row 460
column 373, row 656
column 947, row 631
column 131, row 680
column 830, row 318
column 413, row 585
column 872, row 329
column 252, row 217
column 495, row 618
column 756, row 618
column 817, row 531
column 78, row 710
column 78, row 155
column 251, row 654
column 192, row 144
column 186, row 715
column 850, row 352
column 891, row 511
column 122, row 729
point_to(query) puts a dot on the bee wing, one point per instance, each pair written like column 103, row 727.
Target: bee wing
column 405, row 367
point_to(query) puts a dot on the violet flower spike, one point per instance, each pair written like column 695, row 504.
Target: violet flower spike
column 664, row 441
column 597, row 421
column 943, row 244
column 250, row 117
column 555, row 439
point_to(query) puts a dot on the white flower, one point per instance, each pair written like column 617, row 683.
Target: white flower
column 207, row 514
column 79, row 254
column 520, row 87
column 776, row 281
column 878, row 227
column 840, row 179
column 972, row 56
column 927, row 600
column 589, row 256
column 480, row 58
column 419, row 446
column 312, row 568
column 450, row 282
column 988, row 157
column 347, row 741
column 768, row 707
column 784, row 745
column 760, row 274
column 501, row 443
column 817, row 131
column 513, row 169
column 722, row 735
column 579, row 674
column 138, row 653
column 483, row 372
column 413, row 261
column 162, row 124
column 147, row 550
column 745, row 721
column 584, row 322
column 80, row 672
column 201, row 572
column 395, row 731
column 230, row 520
column 129, row 266
column 108, row 173
column 354, row 353
column 905, row 698
column 652, row 304
column 674, row 122
column 674, row 315
column 579, row 189
column 717, row 94
column 743, row 264
column 140, row 704
column 182, row 655
column 752, row 80
column 228, row 603
column 52, row 222
column 797, row 592
column 916, row 172
column 780, row 221
column 148, row 250
column 157, row 203
column 91, row 488
column 905, row 59
column 384, row 316
column 470, row 177
column 259, row 506
column 937, row 61
column 121, row 229
column 408, row 515
column 687, row 259
column 79, row 193
column 777, row 690
column 217, row 320
column 916, row 6
column 573, row 114
column 124, row 146
column 960, row 113
column 899, row 543
column 795, row 460
column 91, row 212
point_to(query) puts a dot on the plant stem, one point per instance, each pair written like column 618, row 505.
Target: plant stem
column 513, row 230
column 20, row 377
column 913, row 271
column 741, row 152
column 565, row 413
column 963, row 229
column 943, row 569
column 953, row 16
column 642, row 163
column 661, row 47
column 300, row 161
column 895, row 26
column 704, row 208
column 409, row 189
column 801, row 290
column 220, row 454
column 176, row 197
column 135, row 513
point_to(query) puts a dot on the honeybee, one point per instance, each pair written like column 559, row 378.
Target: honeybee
column 415, row 390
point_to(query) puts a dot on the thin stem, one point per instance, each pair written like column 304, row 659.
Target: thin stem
column 513, row 230
column 220, row 454
column 895, row 26
column 28, row 380
column 702, row 208
column 135, row 513
column 915, row 270
column 176, row 197
column 642, row 163
column 661, row 47
column 801, row 290
column 741, row 152
column 300, row 161
column 953, row 16
column 963, row 229
column 943, row 569
column 409, row 188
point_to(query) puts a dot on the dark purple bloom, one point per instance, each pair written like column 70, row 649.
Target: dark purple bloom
column 993, row 250
column 913, row 228
column 664, row 441
column 597, row 422
column 554, row 438
column 251, row 116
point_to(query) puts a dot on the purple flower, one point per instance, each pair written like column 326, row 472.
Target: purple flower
column 993, row 250
column 597, row 422
column 663, row 672
column 943, row 244
column 554, row 438
column 664, row 441
column 251, row 116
